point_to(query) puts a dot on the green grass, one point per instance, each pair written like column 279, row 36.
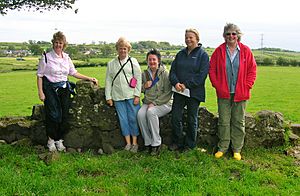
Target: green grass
column 276, row 89
column 261, row 172
column 192, row 173
column 8, row 64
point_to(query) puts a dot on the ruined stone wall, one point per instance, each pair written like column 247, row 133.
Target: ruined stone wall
column 95, row 125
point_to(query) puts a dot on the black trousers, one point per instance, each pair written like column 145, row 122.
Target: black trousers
column 57, row 104
column 189, row 139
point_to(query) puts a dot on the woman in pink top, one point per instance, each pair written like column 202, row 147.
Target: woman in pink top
column 54, row 90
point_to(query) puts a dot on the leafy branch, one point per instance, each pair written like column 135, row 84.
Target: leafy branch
column 37, row 5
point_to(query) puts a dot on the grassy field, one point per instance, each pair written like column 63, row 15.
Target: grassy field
column 8, row 64
column 276, row 88
column 262, row 172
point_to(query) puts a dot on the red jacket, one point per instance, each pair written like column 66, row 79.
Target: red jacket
column 246, row 73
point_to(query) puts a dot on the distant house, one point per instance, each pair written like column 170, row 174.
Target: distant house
column 168, row 57
column 16, row 52
column 91, row 52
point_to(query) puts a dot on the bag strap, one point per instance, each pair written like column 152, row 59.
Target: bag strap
column 44, row 53
column 132, row 71
column 122, row 66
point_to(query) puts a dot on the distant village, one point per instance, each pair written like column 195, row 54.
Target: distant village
column 15, row 53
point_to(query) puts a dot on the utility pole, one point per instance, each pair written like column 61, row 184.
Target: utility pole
column 262, row 44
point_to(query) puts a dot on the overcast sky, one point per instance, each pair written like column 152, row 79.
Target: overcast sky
column 275, row 22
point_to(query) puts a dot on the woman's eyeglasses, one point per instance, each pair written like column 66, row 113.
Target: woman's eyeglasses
column 231, row 33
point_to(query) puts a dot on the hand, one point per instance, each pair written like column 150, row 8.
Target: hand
column 94, row 80
column 136, row 100
column 178, row 87
column 148, row 84
column 183, row 87
column 110, row 102
column 150, row 105
column 42, row 96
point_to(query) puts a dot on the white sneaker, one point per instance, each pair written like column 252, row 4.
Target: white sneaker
column 134, row 148
column 127, row 147
column 59, row 145
column 51, row 145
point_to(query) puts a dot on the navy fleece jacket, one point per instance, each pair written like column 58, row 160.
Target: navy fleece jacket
column 191, row 70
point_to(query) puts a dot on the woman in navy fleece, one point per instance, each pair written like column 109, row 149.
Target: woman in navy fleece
column 188, row 71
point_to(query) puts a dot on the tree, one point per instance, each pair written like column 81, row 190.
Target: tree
column 268, row 61
column 282, row 61
column 164, row 45
column 35, row 49
column 11, row 47
column 107, row 50
column 73, row 51
column 38, row 5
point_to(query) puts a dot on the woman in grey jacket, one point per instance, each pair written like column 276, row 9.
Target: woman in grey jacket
column 157, row 101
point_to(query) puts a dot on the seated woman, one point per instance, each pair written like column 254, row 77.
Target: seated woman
column 157, row 101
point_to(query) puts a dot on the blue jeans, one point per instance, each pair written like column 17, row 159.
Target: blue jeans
column 127, row 113
column 192, row 104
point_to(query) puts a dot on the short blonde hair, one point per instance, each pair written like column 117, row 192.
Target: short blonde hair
column 122, row 42
column 193, row 31
column 59, row 36
column 232, row 27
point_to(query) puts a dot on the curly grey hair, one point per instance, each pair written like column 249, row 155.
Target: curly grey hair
column 232, row 27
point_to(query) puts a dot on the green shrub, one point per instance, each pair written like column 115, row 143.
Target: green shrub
column 268, row 61
column 283, row 61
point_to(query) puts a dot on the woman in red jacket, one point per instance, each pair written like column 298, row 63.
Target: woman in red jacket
column 232, row 73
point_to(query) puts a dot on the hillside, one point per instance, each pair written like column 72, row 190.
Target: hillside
column 24, row 56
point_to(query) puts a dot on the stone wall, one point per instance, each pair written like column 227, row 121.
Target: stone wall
column 95, row 125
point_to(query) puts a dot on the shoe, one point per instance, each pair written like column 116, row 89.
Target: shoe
column 219, row 154
column 237, row 156
column 148, row 149
column 134, row 148
column 173, row 147
column 185, row 149
column 59, row 145
column 127, row 147
column 51, row 145
column 155, row 150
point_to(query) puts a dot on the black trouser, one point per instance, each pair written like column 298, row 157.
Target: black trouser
column 192, row 104
column 57, row 105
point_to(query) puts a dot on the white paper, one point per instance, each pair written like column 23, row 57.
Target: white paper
column 186, row 91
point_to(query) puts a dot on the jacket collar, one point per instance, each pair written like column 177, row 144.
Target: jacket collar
column 196, row 48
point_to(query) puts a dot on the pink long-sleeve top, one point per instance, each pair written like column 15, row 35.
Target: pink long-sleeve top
column 56, row 69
